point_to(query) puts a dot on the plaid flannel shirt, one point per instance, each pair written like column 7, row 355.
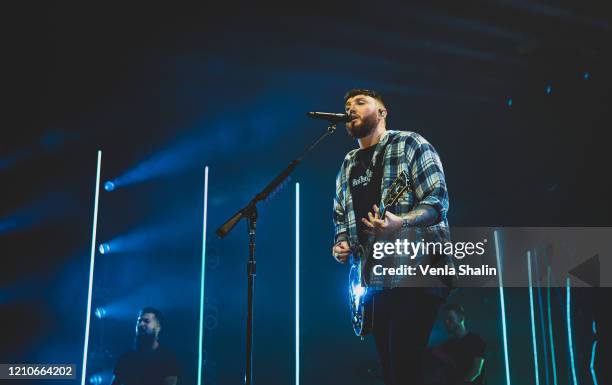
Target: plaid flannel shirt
column 404, row 151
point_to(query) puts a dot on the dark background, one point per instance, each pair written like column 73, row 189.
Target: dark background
column 165, row 90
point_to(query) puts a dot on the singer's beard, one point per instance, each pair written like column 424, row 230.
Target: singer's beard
column 144, row 341
column 365, row 128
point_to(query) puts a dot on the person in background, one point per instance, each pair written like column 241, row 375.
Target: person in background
column 149, row 363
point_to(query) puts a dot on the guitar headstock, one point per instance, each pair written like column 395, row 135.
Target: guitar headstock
column 397, row 188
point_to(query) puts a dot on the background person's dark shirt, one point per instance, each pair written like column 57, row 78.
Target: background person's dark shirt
column 463, row 351
column 146, row 367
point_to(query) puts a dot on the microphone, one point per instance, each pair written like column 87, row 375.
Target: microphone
column 330, row 116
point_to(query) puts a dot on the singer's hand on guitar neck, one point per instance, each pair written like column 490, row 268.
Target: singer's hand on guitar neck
column 384, row 228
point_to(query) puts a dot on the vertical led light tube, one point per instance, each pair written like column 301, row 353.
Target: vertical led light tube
column 568, row 312
column 502, row 304
column 201, row 329
column 593, row 351
column 297, row 284
column 550, row 330
column 539, row 305
column 92, row 259
column 533, row 327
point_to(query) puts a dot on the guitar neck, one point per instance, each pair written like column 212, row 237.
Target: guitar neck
column 382, row 210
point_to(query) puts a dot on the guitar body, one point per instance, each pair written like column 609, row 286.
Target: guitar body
column 361, row 296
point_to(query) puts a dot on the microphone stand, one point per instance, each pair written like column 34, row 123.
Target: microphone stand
column 250, row 213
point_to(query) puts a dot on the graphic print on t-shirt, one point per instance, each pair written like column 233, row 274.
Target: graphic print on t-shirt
column 362, row 180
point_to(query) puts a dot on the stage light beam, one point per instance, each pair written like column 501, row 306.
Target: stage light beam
column 104, row 248
column 101, row 378
column 109, row 186
column 100, row 312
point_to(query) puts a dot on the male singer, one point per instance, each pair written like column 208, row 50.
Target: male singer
column 403, row 316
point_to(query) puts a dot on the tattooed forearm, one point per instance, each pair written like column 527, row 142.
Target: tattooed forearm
column 422, row 215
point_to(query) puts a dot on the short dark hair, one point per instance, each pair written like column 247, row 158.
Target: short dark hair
column 456, row 308
column 362, row 91
column 158, row 314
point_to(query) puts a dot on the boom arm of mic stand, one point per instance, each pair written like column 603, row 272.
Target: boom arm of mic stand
column 226, row 227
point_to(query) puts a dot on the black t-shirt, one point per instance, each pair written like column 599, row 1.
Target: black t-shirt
column 146, row 367
column 463, row 351
column 365, row 181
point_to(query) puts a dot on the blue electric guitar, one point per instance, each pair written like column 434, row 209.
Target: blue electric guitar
column 360, row 295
